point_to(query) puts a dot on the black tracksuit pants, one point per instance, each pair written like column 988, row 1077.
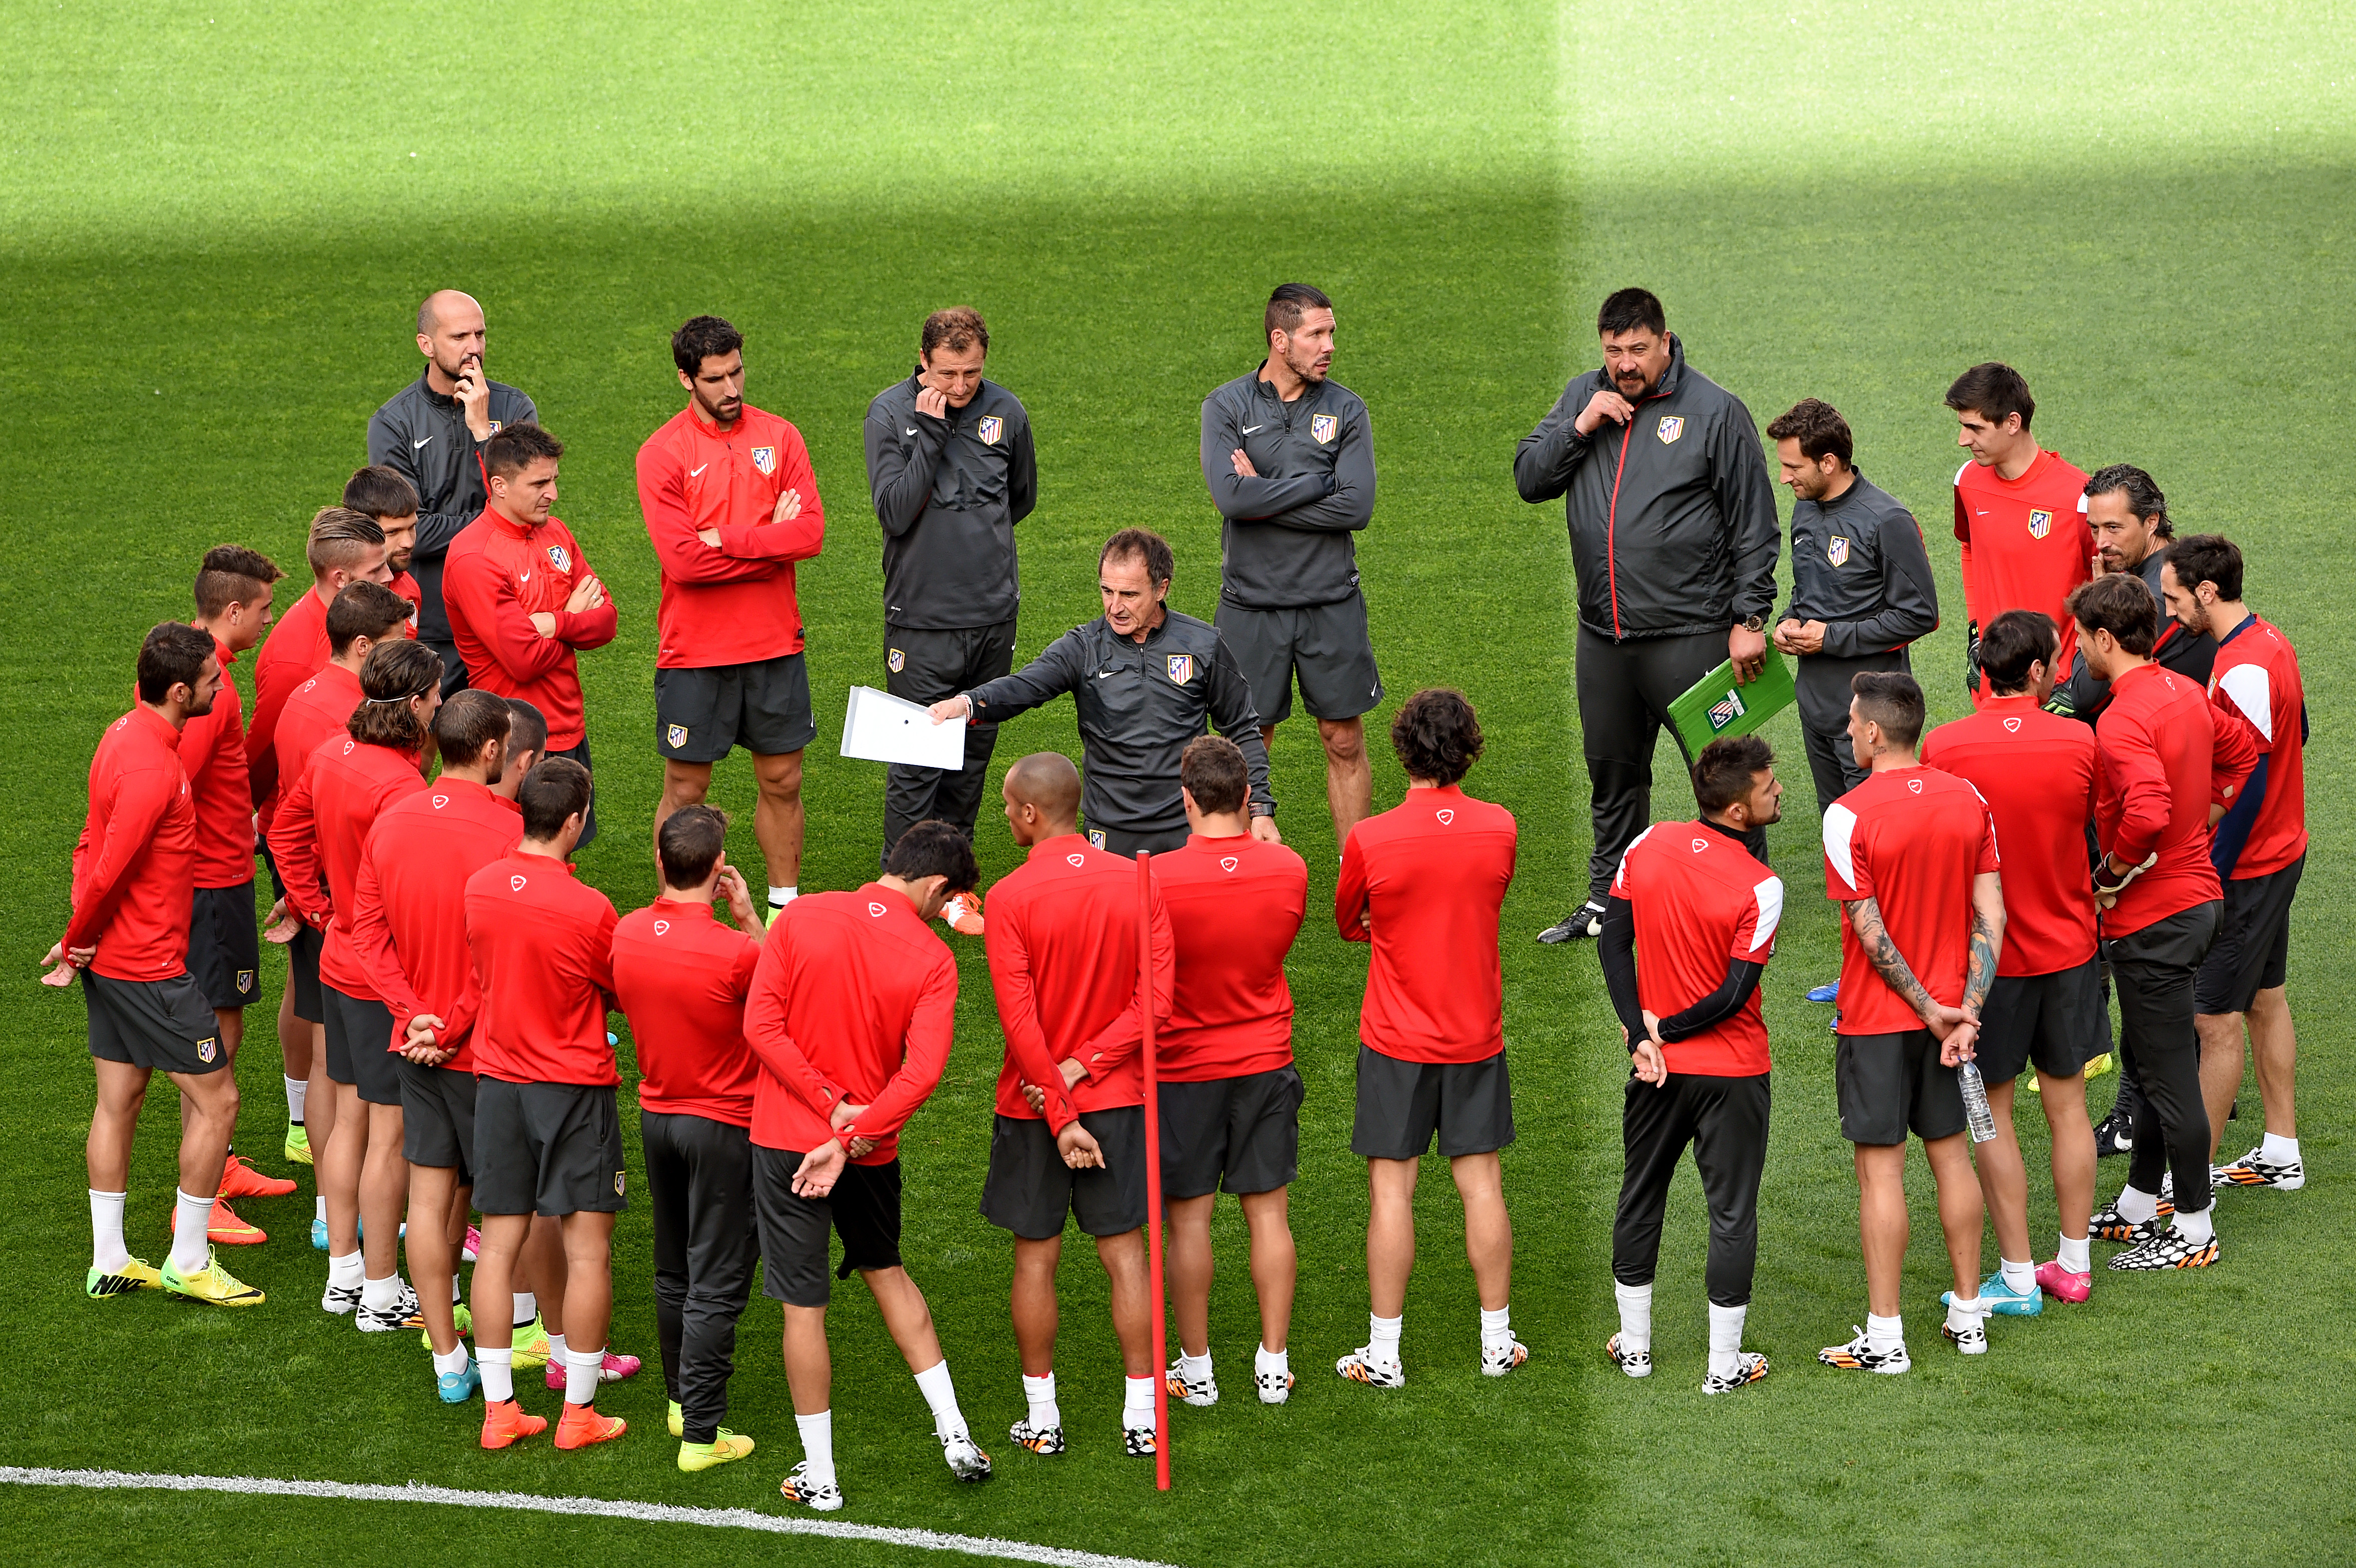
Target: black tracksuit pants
column 1821, row 680
column 1624, row 692
column 699, row 1179
column 1725, row 1120
column 2154, row 969
column 927, row 665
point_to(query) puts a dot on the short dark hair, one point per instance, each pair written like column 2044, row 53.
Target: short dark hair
column 364, row 609
column 466, row 723
column 2142, row 491
column 2011, row 643
column 516, row 448
column 701, row 337
column 2208, row 558
column 1819, row 429
column 2120, row 604
column 1724, row 771
column 394, row 675
column 935, row 849
column 380, row 492
column 527, row 730
column 1212, row 770
column 692, row 840
column 1288, row 303
column 1628, row 309
column 1436, row 735
column 1891, row 699
column 233, row 574
column 340, row 537
column 1144, row 543
column 173, row 655
column 1995, row 392
column 555, row 789
column 958, row 329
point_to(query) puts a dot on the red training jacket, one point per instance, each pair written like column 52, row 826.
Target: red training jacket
column 2036, row 772
column 131, row 886
column 1423, row 882
column 683, row 977
column 732, row 603
column 294, row 650
column 317, row 837
column 495, row 579
column 2167, row 754
column 1235, row 905
column 543, row 947
column 212, row 754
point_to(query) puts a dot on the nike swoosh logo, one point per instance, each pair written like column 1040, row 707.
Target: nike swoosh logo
column 416, row 444
column 1254, row 429
column 912, row 430
column 523, row 577
column 1102, row 674
column 692, row 472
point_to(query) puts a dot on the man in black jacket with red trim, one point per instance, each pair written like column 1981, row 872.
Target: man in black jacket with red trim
column 1673, row 539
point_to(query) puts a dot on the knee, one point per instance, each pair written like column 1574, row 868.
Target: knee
column 781, row 779
column 1345, row 740
column 685, row 786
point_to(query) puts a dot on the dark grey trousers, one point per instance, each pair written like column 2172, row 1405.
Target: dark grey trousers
column 1725, row 1121
column 927, row 665
column 699, row 1184
column 1821, row 681
column 2154, row 968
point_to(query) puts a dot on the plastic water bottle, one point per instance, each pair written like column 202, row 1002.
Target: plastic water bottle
column 1976, row 1112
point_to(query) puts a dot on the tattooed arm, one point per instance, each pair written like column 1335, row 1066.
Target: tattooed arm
column 1865, row 919
column 1988, row 939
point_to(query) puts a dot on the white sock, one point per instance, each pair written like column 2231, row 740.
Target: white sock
column 2134, row 1206
column 296, row 1088
column 817, row 1446
column 1497, row 1328
column 2075, row 1256
column 1137, row 1404
column 2197, row 1227
column 107, row 1252
column 455, row 1362
column 1040, row 1393
column 1383, row 1338
column 2277, row 1150
column 1635, row 1315
column 1963, row 1315
column 1267, row 1362
column 190, row 1217
column 527, row 1308
column 2019, row 1278
column 498, row 1368
column 382, row 1295
column 345, row 1272
column 1883, row 1334
column 319, row 1209
column 455, row 1298
column 778, row 898
column 934, row 1383
column 581, row 1371
column 1193, row 1368
column 1726, row 1337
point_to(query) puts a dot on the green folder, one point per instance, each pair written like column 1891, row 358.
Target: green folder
column 1714, row 705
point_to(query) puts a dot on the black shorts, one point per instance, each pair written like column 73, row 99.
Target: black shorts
column 863, row 1210
column 1325, row 645
column 164, row 1025
column 579, row 754
column 302, row 953
column 437, row 1117
column 1120, row 841
column 2251, row 953
column 1030, row 1189
column 225, row 945
column 701, row 716
column 1231, row 1134
column 2061, row 1021
column 1402, row 1103
column 360, row 1047
column 1889, row 1085
column 547, row 1149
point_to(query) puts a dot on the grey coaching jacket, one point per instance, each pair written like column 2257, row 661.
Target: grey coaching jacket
column 424, row 435
column 1287, row 535
column 1139, row 704
column 1859, row 564
column 1673, row 526
column 948, row 493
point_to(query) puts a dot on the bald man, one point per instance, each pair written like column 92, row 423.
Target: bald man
column 432, row 432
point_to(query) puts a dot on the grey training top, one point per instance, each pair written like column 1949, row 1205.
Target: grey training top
column 1139, row 704
column 423, row 435
column 948, row 493
column 1287, row 536
column 1858, row 565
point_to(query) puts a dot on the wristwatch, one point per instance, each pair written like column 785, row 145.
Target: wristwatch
column 1754, row 623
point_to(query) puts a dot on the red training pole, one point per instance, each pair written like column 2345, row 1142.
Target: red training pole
column 1152, row 1168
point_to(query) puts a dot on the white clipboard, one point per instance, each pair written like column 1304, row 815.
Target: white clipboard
column 881, row 727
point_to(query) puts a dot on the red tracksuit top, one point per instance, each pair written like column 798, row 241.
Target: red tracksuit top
column 854, row 1000
column 2166, row 756
column 1429, row 875
column 1912, row 840
column 683, row 978
column 212, row 754
column 543, row 947
column 1235, row 905
column 294, row 650
column 322, row 827
column 406, row 587
column 1062, row 940
column 409, row 904
column 2256, row 679
column 1700, row 898
column 495, row 579
column 732, row 604
column 130, row 867
column 2036, row 771
column 2025, row 544
column 319, row 707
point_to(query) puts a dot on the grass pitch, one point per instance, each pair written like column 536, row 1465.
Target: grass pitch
column 213, row 226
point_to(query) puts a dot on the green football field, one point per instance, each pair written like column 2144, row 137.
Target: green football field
column 216, row 219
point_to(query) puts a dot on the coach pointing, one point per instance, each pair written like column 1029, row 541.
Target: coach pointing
column 1673, row 539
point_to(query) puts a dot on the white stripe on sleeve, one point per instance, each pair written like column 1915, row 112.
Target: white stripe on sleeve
column 1768, row 892
column 1840, row 827
column 2254, row 695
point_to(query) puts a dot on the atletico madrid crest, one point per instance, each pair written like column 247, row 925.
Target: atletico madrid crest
column 990, row 427
column 894, row 661
column 559, row 558
column 675, row 735
column 1182, row 667
column 2040, row 523
column 1672, row 425
column 207, row 1050
column 244, row 981
column 1323, row 428
column 766, row 459
column 1837, row 551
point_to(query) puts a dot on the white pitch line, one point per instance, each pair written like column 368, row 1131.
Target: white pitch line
column 593, row 1507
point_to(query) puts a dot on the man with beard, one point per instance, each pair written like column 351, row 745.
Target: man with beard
column 2128, row 515
column 1673, row 541
column 385, row 495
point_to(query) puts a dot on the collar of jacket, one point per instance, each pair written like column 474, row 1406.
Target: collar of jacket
column 1856, row 483
column 439, row 400
column 502, row 523
column 1263, row 386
